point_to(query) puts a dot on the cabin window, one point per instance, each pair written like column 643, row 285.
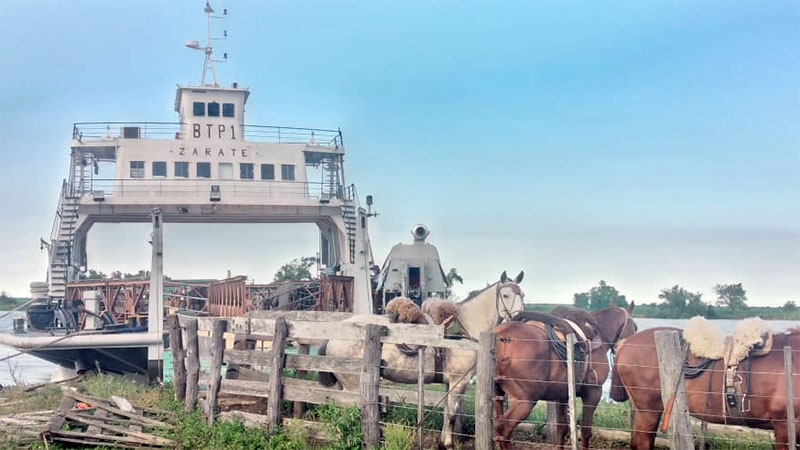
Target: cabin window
column 225, row 171
column 199, row 108
column 137, row 169
column 267, row 171
column 246, row 171
column 203, row 170
column 287, row 172
column 159, row 169
column 227, row 110
column 213, row 109
column 182, row 169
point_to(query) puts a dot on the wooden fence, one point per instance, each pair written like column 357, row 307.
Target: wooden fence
column 210, row 341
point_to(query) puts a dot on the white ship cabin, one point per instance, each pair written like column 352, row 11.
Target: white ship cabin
column 210, row 154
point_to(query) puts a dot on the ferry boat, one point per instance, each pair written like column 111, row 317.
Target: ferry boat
column 210, row 166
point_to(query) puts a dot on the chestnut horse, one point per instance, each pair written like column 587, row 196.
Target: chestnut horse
column 529, row 370
column 635, row 376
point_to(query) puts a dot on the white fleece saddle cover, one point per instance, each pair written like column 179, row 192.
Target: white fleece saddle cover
column 750, row 337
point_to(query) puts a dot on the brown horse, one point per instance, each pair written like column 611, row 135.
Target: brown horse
column 635, row 376
column 528, row 370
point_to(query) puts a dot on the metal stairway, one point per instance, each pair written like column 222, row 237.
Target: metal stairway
column 349, row 216
column 61, row 242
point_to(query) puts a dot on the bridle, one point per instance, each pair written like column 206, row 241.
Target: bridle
column 628, row 325
column 503, row 312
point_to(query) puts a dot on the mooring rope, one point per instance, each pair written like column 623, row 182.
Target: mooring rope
column 16, row 308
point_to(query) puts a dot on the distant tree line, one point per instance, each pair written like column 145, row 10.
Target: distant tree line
column 675, row 301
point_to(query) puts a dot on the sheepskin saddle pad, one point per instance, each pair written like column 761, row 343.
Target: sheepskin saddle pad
column 751, row 337
column 404, row 310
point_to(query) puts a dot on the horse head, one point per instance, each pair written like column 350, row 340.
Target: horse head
column 616, row 323
column 509, row 298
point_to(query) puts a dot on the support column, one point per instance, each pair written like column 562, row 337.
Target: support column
column 155, row 309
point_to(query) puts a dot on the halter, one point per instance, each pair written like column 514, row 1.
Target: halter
column 498, row 301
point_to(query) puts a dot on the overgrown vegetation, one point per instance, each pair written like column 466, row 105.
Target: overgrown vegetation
column 8, row 302
column 342, row 425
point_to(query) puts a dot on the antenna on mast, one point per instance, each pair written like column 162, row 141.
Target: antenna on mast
column 208, row 65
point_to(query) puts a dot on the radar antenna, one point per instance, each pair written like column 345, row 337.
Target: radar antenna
column 208, row 65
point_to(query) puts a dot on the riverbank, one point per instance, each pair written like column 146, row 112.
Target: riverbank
column 341, row 429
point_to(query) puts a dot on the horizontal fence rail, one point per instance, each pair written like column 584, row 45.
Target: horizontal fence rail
column 176, row 130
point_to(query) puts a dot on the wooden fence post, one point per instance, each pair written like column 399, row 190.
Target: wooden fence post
column 484, row 391
column 178, row 355
column 192, row 364
column 370, row 386
column 300, row 407
column 421, row 396
column 573, row 416
column 671, row 358
column 276, row 373
column 790, row 419
column 550, row 428
column 215, row 377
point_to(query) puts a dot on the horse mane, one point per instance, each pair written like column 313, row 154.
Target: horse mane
column 792, row 331
column 475, row 294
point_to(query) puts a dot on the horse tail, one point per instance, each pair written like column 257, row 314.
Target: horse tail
column 326, row 379
column 618, row 392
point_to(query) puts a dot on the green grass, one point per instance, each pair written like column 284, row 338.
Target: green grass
column 342, row 424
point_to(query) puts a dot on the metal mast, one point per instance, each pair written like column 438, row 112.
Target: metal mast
column 208, row 64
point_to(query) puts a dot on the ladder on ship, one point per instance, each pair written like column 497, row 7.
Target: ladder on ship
column 62, row 238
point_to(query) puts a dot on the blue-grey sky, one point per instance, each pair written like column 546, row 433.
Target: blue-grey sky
column 644, row 143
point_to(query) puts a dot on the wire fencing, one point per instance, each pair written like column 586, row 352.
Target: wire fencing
column 246, row 348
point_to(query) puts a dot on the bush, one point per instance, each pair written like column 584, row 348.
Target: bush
column 397, row 437
column 342, row 424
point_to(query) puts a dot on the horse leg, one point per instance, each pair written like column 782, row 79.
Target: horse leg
column 561, row 425
column 518, row 410
column 452, row 410
column 591, row 397
column 643, row 430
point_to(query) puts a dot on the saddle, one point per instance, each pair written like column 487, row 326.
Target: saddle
column 557, row 328
column 751, row 338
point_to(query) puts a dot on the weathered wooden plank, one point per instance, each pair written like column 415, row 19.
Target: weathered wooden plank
column 484, row 391
column 58, row 420
column 313, row 430
column 294, row 390
column 192, row 365
column 420, row 397
column 143, row 437
column 370, row 386
column 132, row 416
column 790, row 422
column 306, row 316
column 671, row 358
column 58, row 434
column 409, row 397
column 178, row 356
column 100, row 414
column 573, row 415
column 215, row 371
column 276, row 373
column 299, row 408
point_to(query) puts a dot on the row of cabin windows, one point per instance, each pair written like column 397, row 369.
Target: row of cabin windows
column 246, row 170
column 199, row 109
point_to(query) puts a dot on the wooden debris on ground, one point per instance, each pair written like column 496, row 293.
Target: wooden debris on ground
column 95, row 421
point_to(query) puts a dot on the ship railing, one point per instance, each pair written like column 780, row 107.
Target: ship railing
column 126, row 130
column 210, row 190
column 57, row 218
column 178, row 130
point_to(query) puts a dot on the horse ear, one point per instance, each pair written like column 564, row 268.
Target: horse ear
column 630, row 307
column 518, row 280
column 503, row 277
